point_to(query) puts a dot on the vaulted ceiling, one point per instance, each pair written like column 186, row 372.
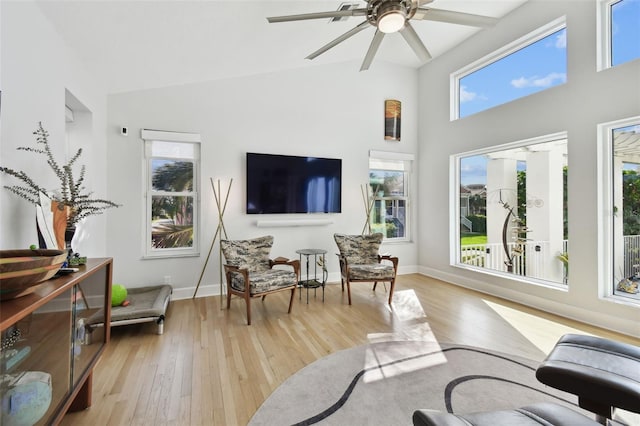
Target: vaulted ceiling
column 134, row 45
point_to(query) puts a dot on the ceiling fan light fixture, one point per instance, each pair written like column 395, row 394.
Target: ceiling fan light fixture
column 392, row 19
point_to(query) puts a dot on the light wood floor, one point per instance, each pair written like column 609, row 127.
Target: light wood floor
column 210, row 368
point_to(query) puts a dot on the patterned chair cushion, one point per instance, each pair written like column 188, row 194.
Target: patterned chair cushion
column 250, row 254
column 359, row 249
column 263, row 281
column 378, row 271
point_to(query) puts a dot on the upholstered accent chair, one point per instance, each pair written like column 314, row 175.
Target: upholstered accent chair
column 250, row 272
column 361, row 262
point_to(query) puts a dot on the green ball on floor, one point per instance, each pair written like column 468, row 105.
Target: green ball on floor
column 118, row 294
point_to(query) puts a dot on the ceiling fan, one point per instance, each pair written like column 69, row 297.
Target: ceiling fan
column 390, row 16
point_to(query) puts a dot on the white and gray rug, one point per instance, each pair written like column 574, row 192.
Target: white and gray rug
column 383, row 383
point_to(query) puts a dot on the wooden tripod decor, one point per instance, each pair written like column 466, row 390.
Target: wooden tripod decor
column 368, row 206
column 220, row 232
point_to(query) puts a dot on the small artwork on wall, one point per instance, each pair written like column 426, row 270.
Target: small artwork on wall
column 392, row 115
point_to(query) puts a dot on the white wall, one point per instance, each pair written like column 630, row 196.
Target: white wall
column 326, row 111
column 588, row 98
column 36, row 69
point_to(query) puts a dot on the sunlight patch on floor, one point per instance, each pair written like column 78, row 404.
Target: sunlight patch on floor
column 413, row 333
column 406, row 306
column 385, row 361
column 542, row 333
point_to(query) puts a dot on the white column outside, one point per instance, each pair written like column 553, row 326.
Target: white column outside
column 545, row 213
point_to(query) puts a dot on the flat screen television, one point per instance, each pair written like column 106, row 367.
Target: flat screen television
column 292, row 184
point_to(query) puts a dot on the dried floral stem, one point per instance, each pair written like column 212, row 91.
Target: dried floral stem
column 80, row 205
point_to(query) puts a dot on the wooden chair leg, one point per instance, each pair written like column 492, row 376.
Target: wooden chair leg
column 228, row 297
column 293, row 293
column 248, row 301
column 375, row 284
column 393, row 283
column 349, row 290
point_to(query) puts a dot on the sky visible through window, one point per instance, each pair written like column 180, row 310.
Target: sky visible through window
column 531, row 69
column 543, row 64
column 625, row 31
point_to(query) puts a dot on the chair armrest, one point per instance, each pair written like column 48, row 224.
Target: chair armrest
column 294, row 263
column 229, row 269
column 436, row 418
column 233, row 268
column 392, row 259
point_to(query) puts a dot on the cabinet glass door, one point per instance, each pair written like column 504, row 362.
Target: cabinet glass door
column 35, row 364
column 89, row 312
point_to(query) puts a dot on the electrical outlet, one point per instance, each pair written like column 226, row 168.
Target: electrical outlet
column 167, row 279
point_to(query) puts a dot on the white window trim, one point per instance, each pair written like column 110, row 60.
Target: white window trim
column 149, row 136
column 514, row 46
column 603, row 33
column 605, row 209
column 454, row 209
column 408, row 160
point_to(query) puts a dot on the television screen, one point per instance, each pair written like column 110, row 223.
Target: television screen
column 291, row 184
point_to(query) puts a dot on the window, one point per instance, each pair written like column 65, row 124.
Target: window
column 530, row 64
column 618, row 31
column 389, row 186
column 620, row 208
column 172, row 164
column 507, row 224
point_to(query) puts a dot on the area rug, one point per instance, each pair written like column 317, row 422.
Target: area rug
column 384, row 383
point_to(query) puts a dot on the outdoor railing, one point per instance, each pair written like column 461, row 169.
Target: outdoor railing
column 492, row 256
column 631, row 255
column 530, row 263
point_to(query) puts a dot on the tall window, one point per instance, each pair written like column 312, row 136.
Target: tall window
column 511, row 211
column 620, row 210
column 389, row 186
column 530, row 64
column 171, row 199
column 618, row 31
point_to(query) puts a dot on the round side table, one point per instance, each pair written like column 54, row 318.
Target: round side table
column 315, row 281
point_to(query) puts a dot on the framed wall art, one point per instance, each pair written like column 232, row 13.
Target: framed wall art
column 392, row 118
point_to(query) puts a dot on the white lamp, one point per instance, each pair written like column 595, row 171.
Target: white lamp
column 391, row 20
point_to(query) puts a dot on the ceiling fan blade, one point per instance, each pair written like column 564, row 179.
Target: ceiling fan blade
column 373, row 48
column 421, row 2
column 429, row 14
column 338, row 40
column 318, row 15
column 414, row 41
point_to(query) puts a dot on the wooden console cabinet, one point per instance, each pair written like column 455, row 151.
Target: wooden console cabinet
column 44, row 336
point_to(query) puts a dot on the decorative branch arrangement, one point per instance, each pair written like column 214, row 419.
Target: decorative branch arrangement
column 221, row 232
column 368, row 207
column 80, row 205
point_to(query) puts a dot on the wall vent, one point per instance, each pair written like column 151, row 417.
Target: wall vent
column 344, row 6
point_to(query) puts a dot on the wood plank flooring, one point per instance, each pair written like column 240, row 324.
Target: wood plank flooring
column 210, row 368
